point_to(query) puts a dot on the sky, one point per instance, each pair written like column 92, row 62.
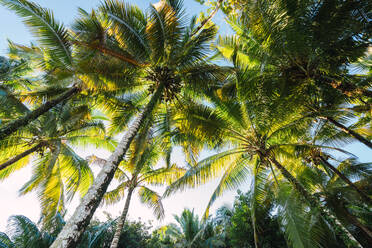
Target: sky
column 11, row 203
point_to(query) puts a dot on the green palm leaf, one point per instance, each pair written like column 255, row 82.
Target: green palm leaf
column 52, row 35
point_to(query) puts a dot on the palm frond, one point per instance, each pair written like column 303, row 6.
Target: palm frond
column 51, row 34
column 234, row 176
column 152, row 200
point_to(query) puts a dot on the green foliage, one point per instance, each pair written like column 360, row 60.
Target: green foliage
column 240, row 231
column 58, row 172
column 190, row 232
column 23, row 233
column 299, row 91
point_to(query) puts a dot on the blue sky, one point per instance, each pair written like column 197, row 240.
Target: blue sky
column 12, row 28
column 66, row 11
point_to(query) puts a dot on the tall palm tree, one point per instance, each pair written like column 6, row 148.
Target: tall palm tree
column 57, row 49
column 340, row 197
column 169, row 61
column 64, row 71
column 49, row 143
column 317, row 157
column 307, row 40
column 139, row 171
column 258, row 130
column 303, row 228
column 285, row 41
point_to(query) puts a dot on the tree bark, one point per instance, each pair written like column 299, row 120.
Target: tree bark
column 75, row 227
column 121, row 221
column 314, row 203
column 346, row 180
column 13, row 126
column 349, row 131
column 21, row 155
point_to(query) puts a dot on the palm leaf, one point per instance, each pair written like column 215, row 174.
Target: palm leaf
column 51, row 34
column 152, row 200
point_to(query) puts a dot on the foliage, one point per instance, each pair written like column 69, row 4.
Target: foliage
column 23, row 233
column 241, row 233
column 298, row 91
column 190, row 232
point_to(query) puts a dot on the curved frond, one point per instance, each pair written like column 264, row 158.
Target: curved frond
column 152, row 200
column 52, row 35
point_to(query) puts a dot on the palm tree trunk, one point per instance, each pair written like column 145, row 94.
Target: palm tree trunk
column 350, row 218
column 121, row 221
column 20, row 156
column 354, row 221
column 349, row 131
column 13, row 126
column 75, row 227
column 315, row 204
column 346, row 180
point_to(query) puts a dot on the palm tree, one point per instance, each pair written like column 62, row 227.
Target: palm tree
column 304, row 228
column 169, row 61
column 190, row 232
column 57, row 170
column 64, row 71
column 285, row 41
column 340, row 197
column 57, row 50
column 307, row 40
column 322, row 158
column 139, row 171
column 258, row 130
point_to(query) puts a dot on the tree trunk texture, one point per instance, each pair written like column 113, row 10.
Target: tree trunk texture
column 121, row 221
column 13, row 126
column 75, row 227
column 346, row 236
column 20, row 156
column 363, row 195
column 349, row 131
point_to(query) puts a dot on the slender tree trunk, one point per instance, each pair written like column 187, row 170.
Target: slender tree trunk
column 349, row 131
column 121, row 221
column 20, row 156
column 315, row 204
column 343, row 214
column 75, row 227
column 13, row 126
column 350, row 218
column 346, row 180
column 353, row 220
